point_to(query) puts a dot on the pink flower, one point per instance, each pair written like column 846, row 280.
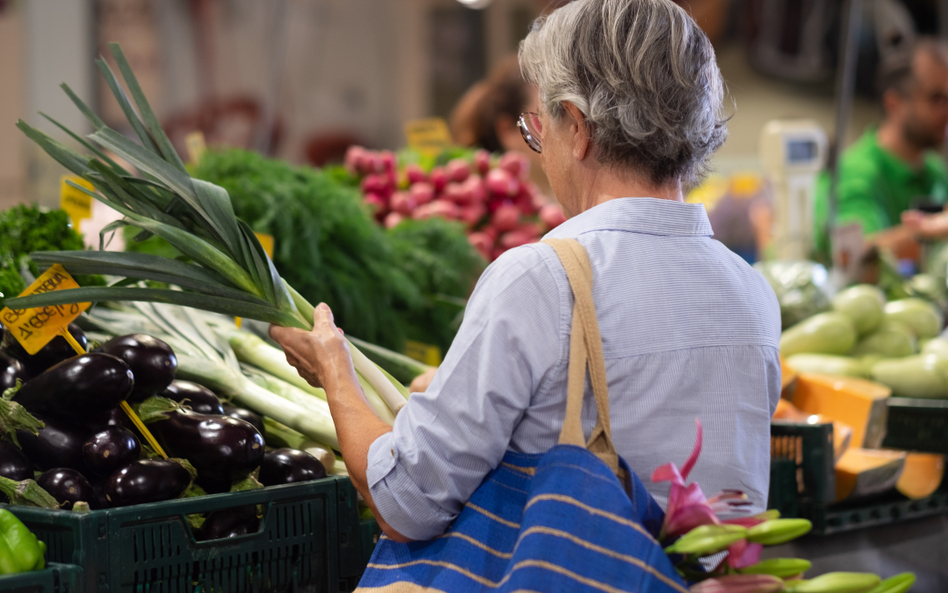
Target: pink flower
column 740, row 583
column 687, row 506
column 742, row 554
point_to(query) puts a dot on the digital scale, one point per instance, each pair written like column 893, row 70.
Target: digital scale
column 793, row 153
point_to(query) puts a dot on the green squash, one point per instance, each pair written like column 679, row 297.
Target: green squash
column 863, row 305
column 825, row 333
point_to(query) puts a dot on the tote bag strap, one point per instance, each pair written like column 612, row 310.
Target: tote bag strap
column 585, row 349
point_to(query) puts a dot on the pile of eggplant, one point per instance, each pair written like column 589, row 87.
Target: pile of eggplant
column 89, row 452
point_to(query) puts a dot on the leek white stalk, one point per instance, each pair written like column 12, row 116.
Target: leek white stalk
column 244, row 391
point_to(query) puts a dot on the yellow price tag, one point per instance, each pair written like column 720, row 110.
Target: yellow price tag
column 426, row 353
column 76, row 204
column 266, row 241
column 195, row 145
column 428, row 135
column 34, row 328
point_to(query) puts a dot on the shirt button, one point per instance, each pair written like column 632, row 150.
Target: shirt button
column 393, row 452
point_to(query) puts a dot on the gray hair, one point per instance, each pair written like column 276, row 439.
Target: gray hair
column 644, row 76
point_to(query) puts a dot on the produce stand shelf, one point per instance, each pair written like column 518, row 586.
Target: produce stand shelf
column 309, row 540
column 917, row 425
column 55, row 578
column 803, row 484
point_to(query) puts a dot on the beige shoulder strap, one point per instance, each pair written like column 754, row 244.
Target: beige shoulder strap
column 585, row 349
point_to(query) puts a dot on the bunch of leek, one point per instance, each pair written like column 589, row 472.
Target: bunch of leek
column 206, row 358
column 228, row 271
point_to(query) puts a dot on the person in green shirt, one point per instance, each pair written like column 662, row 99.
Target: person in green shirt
column 894, row 169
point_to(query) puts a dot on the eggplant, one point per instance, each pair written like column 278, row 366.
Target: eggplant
column 58, row 444
column 229, row 523
column 14, row 464
column 247, row 416
column 67, row 486
column 56, row 351
column 221, row 448
column 146, row 480
column 285, row 466
column 79, row 387
column 11, row 369
column 152, row 362
column 199, row 398
column 113, row 417
column 110, row 449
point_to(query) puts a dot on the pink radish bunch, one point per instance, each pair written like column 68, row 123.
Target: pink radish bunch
column 492, row 196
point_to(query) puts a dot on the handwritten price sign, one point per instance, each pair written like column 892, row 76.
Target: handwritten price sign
column 34, row 328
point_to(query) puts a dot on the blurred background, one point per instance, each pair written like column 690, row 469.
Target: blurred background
column 302, row 79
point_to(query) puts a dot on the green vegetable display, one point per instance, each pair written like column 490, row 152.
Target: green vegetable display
column 922, row 375
column 384, row 287
column 20, row 551
column 891, row 339
column 826, row 333
column 25, row 229
column 863, row 305
column 828, row 364
column 923, row 318
column 800, row 286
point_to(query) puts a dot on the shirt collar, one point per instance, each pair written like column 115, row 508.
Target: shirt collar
column 650, row 216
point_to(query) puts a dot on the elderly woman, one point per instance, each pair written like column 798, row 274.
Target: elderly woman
column 630, row 109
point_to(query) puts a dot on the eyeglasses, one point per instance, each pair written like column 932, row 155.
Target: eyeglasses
column 530, row 128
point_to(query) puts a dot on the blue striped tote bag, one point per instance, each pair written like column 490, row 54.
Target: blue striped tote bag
column 572, row 519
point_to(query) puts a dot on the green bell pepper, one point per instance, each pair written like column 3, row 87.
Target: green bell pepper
column 20, row 551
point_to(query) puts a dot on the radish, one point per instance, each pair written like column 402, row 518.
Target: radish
column 439, row 179
column 423, row 192
column 501, row 182
column 473, row 213
column 442, row 208
column 458, row 170
column 474, row 186
column 517, row 238
column 552, row 216
column 415, row 174
column 387, row 158
column 354, row 159
column 456, row 193
column 377, row 203
column 482, row 161
column 403, row 203
column 482, row 242
column 506, row 218
column 392, row 220
column 516, row 164
column 377, row 184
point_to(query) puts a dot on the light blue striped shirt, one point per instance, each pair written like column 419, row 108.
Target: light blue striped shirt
column 689, row 331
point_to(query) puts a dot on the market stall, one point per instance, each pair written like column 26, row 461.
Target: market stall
column 161, row 442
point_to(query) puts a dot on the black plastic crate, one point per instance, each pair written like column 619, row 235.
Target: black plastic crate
column 369, row 533
column 917, row 425
column 55, row 578
column 307, row 533
column 803, row 484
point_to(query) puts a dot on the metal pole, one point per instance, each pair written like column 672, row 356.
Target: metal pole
column 845, row 87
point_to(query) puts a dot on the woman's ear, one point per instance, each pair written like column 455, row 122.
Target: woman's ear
column 582, row 142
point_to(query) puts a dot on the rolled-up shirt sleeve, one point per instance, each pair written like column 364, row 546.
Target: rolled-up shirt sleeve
column 447, row 439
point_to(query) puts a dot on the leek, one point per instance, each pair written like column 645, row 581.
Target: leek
column 229, row 272
column 211, row 362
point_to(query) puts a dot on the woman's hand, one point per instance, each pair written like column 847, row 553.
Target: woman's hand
column 321, row 355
